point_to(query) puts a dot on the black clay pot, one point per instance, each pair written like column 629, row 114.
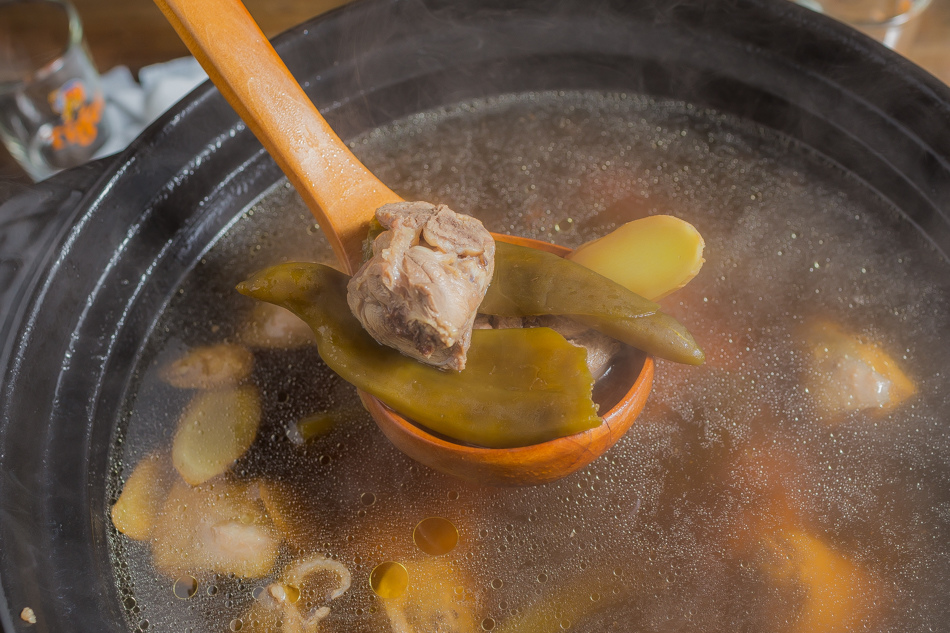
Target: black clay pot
column 90, row 258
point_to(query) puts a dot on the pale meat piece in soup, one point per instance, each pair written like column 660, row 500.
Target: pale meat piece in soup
column 428, row 274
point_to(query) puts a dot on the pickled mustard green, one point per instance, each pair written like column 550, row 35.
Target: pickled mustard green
column 529, row 282
column 519, row 386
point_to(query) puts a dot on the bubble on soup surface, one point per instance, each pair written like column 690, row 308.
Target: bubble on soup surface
column 185, row 587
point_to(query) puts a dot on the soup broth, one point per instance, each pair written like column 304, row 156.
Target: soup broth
column 736, row 502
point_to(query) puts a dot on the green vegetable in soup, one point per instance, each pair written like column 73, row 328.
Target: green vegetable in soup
column 519, row 387
column 529, row 282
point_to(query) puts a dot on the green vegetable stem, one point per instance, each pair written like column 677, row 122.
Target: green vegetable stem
column 529, row 282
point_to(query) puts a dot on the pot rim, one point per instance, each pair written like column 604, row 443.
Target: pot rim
column 88, row 299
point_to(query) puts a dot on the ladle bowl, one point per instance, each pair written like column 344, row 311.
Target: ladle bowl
column 528, row 465
column 524, row 466
column 343, row 195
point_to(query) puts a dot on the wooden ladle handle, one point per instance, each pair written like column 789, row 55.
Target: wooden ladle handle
column 340, row 192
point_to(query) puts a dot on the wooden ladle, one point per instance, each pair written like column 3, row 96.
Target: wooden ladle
column 343, row 196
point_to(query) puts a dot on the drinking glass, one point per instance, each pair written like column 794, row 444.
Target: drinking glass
column 894, row 23
column 51, row 104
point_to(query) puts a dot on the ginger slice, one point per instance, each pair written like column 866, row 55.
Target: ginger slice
column 210, row 367
column 652, row 256
column 214, row 430
column 142, row 496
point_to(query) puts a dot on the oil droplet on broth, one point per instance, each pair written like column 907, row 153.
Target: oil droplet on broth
column 292, row 593
column 236, row 625
column 497, row 583
column 435, row 536
column 488, row 624
column 389, row 580
column 185, row 587
column 367, row 498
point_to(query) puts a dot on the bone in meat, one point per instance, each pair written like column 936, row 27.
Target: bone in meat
column 428, row 274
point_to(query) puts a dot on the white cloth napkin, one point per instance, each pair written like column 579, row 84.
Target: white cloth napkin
column 131, row 106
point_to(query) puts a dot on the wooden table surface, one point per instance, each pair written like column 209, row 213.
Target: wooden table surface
column 134, row 33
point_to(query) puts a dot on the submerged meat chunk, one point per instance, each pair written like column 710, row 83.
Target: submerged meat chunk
column 428, row 274
column 216, row 527
column 847, row 373
column 601, row 350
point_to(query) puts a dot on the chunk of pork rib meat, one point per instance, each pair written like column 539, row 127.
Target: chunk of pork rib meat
column 428, row 274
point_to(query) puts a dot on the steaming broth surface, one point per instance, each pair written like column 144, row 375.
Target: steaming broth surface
column 675, row 528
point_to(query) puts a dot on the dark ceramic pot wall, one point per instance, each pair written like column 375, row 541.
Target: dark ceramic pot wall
column 89, row 259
